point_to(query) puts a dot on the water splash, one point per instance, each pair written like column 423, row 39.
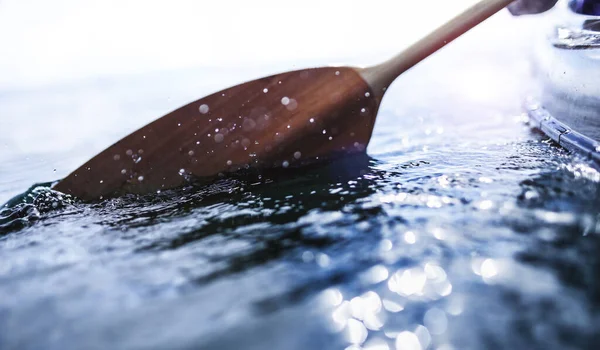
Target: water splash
column 27, row 208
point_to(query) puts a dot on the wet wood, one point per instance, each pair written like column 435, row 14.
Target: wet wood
column 283, row 120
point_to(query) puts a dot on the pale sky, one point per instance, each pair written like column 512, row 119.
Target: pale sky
column 45, row 42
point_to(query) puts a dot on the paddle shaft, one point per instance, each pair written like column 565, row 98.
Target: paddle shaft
column 381, row 76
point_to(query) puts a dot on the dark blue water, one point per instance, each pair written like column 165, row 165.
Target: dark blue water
column 461, row 228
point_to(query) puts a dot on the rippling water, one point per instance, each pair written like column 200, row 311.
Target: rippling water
column 461, row 229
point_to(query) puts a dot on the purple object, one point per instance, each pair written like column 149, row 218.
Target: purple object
column 530, row 7
column 586, row 7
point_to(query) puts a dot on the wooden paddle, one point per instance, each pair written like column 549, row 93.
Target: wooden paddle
column 279, row 121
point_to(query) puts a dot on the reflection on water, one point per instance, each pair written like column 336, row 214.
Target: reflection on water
column 361, row 253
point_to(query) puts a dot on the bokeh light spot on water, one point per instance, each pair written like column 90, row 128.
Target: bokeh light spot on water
column 410, row 237
column 436, row 321
column 488, row 268
column 386, row 245
column 376, row 344
column 332, row 297
column 392, row 306
column 356, row 332
column 408, row 341
column 308, row 256
column 374, row 275
column 485, row 204
column 323, row 260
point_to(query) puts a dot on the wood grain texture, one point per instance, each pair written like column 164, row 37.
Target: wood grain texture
column 278, row 121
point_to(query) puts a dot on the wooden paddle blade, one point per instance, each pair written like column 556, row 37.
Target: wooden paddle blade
column 278, row 121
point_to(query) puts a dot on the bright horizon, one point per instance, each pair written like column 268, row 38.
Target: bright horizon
column 51, row 42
